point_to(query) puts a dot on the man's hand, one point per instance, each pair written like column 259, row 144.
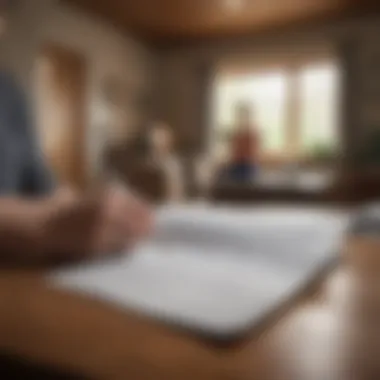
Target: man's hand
column 103, row 223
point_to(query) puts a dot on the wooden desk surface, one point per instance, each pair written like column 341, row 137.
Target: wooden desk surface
column 332, row 334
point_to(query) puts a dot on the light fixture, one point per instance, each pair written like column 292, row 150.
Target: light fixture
column 234, row 5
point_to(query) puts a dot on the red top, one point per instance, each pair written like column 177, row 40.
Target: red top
column 245, row 146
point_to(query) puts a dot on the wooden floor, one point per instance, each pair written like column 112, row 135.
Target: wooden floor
column 333, row 334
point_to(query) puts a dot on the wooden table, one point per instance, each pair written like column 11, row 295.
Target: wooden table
column 332, row 333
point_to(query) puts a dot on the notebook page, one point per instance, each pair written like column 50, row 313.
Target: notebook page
column 218, row 288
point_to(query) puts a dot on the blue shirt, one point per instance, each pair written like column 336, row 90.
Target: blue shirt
column 22, row 168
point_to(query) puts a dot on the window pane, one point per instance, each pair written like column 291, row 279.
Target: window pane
column 319, row 109
column 267, row 95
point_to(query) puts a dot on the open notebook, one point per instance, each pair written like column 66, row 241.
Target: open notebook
column 217, row 271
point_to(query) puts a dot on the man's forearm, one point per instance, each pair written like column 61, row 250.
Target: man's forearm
column 22, row 230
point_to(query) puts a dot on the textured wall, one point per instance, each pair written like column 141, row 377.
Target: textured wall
column 109, row 54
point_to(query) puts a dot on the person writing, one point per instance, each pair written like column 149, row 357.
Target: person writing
column 40, row 223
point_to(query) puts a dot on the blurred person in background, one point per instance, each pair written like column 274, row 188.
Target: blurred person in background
column 244, row 146
column 39, row 222
column 163, row 155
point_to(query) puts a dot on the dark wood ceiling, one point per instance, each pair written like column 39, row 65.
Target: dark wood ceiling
column 165, row 20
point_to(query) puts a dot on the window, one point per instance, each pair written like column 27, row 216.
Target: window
column 318, row 109
column 295, row 111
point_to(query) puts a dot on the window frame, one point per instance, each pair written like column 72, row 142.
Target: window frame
column 292, row 65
